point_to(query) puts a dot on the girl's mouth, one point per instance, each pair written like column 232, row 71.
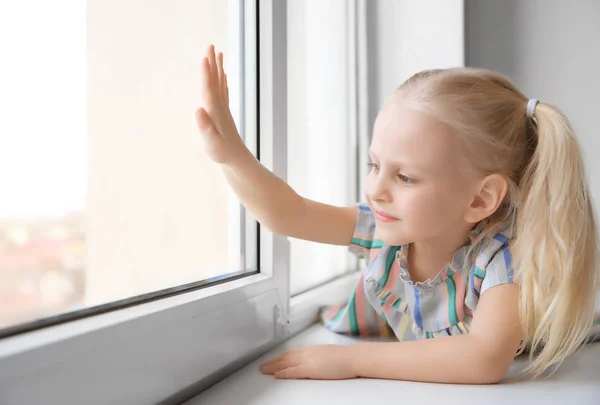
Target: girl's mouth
column 384, row 217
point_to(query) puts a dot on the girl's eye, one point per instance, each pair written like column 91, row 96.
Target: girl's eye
column 373, row 166
column 403, row 178
column 407, row 180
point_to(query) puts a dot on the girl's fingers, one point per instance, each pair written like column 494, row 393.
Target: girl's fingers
column 280, row 363
column 226, row 96
column 214, row 75
column 221, row 73
column 277, row 366
column 299, row 372
column 214, row 79
column 270, row 362
column 205, row 76
column 206, row 125
column 204, row 122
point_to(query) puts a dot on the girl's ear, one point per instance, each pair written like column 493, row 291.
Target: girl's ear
column 488, row 196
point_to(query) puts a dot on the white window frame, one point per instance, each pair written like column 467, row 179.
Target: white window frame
column 242, row 43
column 170, row 349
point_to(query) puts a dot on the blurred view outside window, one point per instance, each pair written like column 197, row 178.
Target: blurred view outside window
column 106, row 192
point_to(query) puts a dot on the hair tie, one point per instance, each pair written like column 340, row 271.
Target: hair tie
column 531, row 107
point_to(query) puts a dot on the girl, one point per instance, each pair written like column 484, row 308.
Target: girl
column 467, row 176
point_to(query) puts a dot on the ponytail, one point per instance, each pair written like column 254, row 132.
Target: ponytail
column 555, row 252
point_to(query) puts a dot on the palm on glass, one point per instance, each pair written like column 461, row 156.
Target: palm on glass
column 222, row 141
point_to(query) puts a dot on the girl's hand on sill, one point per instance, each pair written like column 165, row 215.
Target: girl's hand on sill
column 326, row 362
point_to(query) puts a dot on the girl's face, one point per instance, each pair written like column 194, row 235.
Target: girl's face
column 415, row 187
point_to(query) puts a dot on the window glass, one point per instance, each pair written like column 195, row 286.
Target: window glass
column 106, row 190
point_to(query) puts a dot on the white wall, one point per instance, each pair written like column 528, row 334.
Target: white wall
column 550, row 49
column 407, row 36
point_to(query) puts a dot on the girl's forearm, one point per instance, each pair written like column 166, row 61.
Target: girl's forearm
column 461, row 359
column 270, row 199
column 283, row 211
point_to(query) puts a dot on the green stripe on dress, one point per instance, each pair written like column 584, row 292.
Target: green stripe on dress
column 389, row 261
column 377, row 244
column 479, row 273
column 452, row 314
column 365, row 243
column 352, row 316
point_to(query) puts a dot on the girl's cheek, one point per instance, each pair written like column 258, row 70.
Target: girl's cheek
column 418, row 208
column 408, row 203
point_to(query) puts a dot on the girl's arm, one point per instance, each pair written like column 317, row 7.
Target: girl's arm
column 278, row 207
column 270, row 200
column 481, row 357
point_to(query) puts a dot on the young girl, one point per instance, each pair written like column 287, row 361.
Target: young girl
column 467, row 176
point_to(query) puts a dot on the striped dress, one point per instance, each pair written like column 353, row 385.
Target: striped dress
column 387, row 301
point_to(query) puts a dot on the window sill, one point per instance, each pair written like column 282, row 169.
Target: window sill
column 576, row 382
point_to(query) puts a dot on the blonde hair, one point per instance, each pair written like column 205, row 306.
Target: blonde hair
column 548, row 205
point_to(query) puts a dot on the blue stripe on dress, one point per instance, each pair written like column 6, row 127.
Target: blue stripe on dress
column 418, row 319
column 501, row 238
column 368, row 228
column 472, row 282
column 508, row 262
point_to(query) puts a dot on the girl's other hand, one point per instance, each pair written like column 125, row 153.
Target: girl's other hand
column 326, row 362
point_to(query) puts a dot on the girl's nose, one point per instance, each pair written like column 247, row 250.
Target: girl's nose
column 378, row 191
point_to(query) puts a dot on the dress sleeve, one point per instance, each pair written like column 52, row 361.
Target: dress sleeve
column 498, row 271
column 364, row 232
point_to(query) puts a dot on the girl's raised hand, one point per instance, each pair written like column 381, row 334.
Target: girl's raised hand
column 222, row 141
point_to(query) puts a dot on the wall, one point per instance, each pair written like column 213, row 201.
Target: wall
column 550, row 49
column 407, row 36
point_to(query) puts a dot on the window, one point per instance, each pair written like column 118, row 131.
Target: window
column 171, row 345
column 136, row 177
column 107, row 194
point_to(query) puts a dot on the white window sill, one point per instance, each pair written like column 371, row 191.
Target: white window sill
column 576, row 382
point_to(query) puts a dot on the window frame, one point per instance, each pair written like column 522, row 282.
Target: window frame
column 243, row 250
